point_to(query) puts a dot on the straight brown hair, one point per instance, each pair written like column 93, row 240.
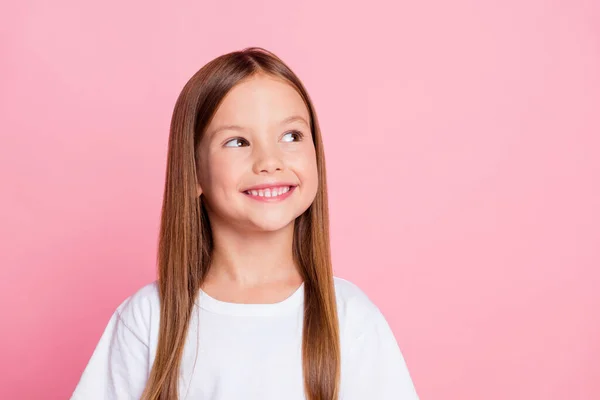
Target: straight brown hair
column 185, row 238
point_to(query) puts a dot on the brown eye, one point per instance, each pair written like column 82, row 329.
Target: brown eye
column 237, row 142
column 293, row 136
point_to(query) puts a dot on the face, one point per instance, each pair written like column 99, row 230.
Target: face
column 257, row 166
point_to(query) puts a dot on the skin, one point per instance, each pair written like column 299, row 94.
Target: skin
column 252, row 258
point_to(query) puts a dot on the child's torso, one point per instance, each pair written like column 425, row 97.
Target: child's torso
column 238, row 357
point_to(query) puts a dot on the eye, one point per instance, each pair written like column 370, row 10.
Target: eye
column 237, row 142
column 293, row 136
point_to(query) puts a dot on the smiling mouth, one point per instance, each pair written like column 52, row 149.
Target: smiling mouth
column 272, row 192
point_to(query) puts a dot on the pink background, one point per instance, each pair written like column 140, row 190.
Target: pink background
column 463, row 151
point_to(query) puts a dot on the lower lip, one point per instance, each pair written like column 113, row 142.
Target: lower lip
column 272, row 199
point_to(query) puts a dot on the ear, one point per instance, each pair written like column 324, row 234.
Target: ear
column 198, row 189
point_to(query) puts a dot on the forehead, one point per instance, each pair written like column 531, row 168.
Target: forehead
column 259, row 102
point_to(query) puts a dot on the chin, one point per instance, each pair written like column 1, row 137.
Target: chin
column 267, row 225
column 272, row 221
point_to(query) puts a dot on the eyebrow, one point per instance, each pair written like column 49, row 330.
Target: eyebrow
column 293, row 118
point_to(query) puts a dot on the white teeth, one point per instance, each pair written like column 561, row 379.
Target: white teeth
column 270, row 192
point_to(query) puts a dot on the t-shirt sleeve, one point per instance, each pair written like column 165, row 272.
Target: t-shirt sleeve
column 376, row 367
column 118, row 367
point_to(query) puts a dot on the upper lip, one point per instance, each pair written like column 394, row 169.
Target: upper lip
column 268, row 185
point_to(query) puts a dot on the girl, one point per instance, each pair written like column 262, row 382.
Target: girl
column 246, row 305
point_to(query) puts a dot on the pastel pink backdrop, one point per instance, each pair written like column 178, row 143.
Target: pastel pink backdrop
column 463, row 154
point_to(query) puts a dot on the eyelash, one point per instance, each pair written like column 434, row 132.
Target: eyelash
column 298, row 134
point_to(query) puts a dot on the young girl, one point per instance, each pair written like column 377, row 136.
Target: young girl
column 246, row 305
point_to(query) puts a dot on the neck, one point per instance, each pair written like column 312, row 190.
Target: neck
column 250, row 259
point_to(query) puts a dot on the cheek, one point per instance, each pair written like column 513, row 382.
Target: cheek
column 314, row 181
column 219, row 175
column 309, row 172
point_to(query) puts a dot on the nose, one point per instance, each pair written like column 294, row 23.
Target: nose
column 267, row 159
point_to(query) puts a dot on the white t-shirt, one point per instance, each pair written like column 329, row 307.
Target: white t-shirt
column 246, row 351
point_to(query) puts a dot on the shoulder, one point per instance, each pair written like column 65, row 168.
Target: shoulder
column 355, row 309
column 120, row 361
column 349, row 294
column 373, row 366
column 141, row 310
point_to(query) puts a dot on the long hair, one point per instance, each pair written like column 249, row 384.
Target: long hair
column 185, row 238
